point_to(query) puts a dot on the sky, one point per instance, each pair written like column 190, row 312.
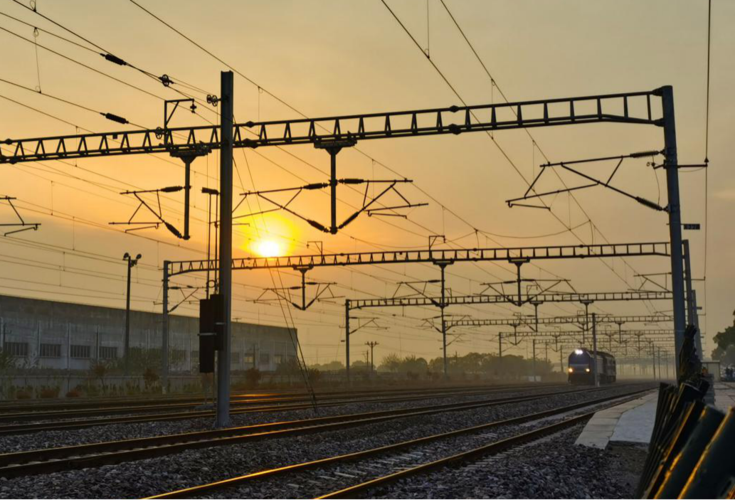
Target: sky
column 325, row 58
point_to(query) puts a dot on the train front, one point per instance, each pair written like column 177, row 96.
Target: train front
column 580, row 367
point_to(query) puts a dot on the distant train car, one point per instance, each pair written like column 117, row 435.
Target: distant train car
column 581, row 367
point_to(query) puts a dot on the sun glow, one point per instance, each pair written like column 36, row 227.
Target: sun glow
column 268, row 248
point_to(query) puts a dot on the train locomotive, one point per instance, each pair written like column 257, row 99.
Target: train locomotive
column 581, row 368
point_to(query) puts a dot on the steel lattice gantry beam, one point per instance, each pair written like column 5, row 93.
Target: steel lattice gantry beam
column 501, row 299
column 559, row 320
column 428, row 255
column 631, row 107
column 607, row 333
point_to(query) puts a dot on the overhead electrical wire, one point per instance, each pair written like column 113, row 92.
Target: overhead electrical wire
column 164, row 79
column 267, row 92
column 502, row 151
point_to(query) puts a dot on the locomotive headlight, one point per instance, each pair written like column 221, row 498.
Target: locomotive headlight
column 570, row 370
column 578, row 352
column 587, row 370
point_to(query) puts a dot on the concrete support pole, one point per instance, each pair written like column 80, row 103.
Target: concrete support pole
column 534, row 359
column 653, row 359
column 595, row 371
column 164, row 328
column 347, row 341
column 127, row 322
column 444, row 322
column 692, row 315
column 674, row 211
column 225, row 248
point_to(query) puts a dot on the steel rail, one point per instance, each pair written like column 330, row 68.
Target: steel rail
column 488, row 449
column 197, row 491
column 80, row 424
column 6, row 406
column 237, row 401
column 111, row 452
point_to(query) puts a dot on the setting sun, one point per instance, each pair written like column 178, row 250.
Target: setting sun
column 268, row 248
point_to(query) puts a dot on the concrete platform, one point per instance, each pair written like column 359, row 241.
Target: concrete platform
column 630, row 422
column 724, row 395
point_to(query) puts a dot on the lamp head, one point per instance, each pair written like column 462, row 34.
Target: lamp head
column 126, row 256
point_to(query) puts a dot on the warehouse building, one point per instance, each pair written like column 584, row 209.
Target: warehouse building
column 60, row 335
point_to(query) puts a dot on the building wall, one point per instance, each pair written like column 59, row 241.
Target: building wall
column 48, row 334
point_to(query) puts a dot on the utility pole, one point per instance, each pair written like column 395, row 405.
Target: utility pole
column 371, row 344
column 586, row 304
column 595, row 371
column 534, row 359
column 347, row 341
column 225, row 249
column 671, row 165
column 132, row 262
column 653, row 352
column 692, row 315
column 164, row 328
column 442, row 266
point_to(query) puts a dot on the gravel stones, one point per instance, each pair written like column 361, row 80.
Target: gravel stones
column 194, row 467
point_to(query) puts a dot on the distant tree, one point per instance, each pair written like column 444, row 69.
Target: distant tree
column 288, row 369
column 391, row 363
column 359, row 366
column 724, row 340
column 333, row 366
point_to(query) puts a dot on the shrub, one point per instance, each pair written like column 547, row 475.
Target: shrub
column 150, row 377
column 23, row 394
column 49, row 392
column 74, row 393
column 252, row 377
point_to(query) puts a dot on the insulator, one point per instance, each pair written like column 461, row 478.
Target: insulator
column 115, row 118
column 648, row 203
column 318, row 226
column 115, row 59
column 171, row 189
column 165, row 80
column 320, row 185
column 349, row 219
column 173, row 230
column 644, row 154
column 352, row 181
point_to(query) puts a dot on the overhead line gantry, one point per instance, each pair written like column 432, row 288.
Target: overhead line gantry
column 652, row 108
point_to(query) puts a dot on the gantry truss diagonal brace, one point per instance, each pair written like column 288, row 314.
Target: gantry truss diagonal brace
column 21, row 224
column 530, row 194
column 367, row 201
column 559, row 320
column 428, row 255
column 336, row 132
column 502, row 299
column 285, row 293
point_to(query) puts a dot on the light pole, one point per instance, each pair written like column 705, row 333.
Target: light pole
column 372, row 345
column 132, row 262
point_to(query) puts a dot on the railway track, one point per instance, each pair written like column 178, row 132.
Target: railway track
column 163, row 401
column 82, row 420
column 112, row 452
column 399, row 460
